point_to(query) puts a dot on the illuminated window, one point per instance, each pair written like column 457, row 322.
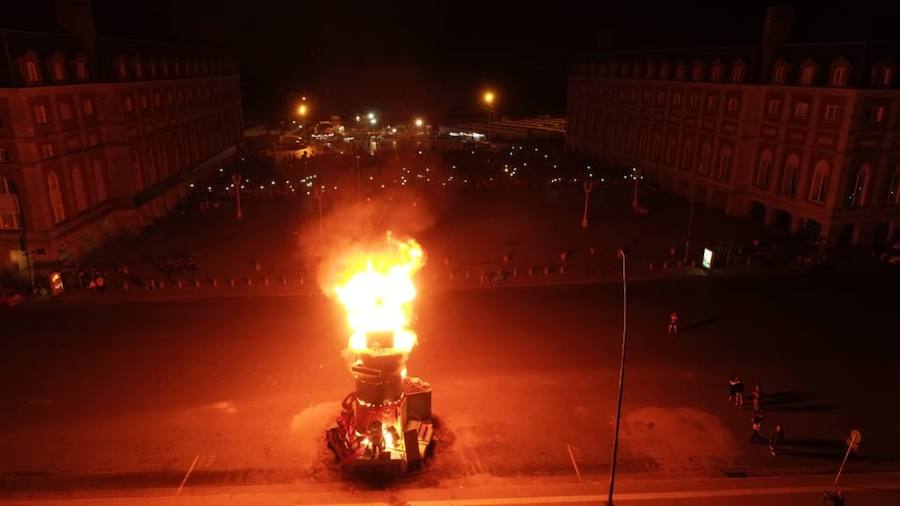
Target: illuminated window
column 831, row 112
column 31, row 72
column 737, row 73
column 128, row 104
column 885, row 75
column 839, row 76
column 40, row 115
column 81, row 69
column 801, row 109
column 774, row 106
column 716, row 72
column 87, row 106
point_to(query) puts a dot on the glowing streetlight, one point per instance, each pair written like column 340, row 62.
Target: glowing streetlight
column 419, row 122
column 373, row 121
column 489, row 102
column 302, row 109
column 489, row 98
column 357, row 118
column 371, row 116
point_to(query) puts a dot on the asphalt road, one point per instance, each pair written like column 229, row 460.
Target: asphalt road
column 113, row 395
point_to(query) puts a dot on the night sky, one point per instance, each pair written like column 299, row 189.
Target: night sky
column 432, row 57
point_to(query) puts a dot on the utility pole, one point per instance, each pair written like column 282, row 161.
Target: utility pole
column 587, row 186
column 237, row 181
column 615, row 448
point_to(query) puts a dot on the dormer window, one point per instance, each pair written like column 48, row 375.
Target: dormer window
column 737, row 73
column 81, row 70
column 680, row 71
column 31, row 72
column 839, row 75
column 138, row 69
column 716, row 72
column 665, row 72
column 778, row 75
column 807, row 74
column 697, row 72
column 651, row 70
column 59, row 73
column 121, row 69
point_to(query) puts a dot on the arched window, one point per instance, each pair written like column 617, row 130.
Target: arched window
column 819, row 184
column 705, row 158
column 860, row 194
column 78, row 186
column 725, row 157
column 763, row 169
column 697, row 71
column 789, row 176
column 56, row 201
column 59, row 72
column 31, row 72
column 665, row 70
column 893, row 190
column 807, row 74
column 9, row 206
column 99, row 181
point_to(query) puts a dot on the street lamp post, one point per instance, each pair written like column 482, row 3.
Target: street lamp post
column 237, row 180
column 489, row 101
column 615, row 448
column 587, row 186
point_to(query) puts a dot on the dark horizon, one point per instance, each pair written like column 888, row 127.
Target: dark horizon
column 434, row 60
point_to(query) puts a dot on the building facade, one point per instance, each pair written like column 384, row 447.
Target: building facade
column 802, row 136
column 101, row 135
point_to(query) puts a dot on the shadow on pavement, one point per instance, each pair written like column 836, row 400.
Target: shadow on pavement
column 699, row 324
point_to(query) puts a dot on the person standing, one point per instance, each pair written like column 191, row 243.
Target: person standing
column 776, row 440
column 673, row 323
column 732, row 389
column 738, row 392
column 756, row 425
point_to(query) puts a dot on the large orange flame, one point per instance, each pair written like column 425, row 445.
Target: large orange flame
column 376, row 289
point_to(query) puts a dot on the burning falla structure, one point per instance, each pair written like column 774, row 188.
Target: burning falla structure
column 385, row 423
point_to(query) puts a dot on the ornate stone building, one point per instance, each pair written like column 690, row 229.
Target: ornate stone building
column 802, row 136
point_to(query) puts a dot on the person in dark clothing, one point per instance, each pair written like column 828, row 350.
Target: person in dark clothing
column 756, row 425
column 775, row 440
column 673, row 323
column 738, row 392
column 732, row 381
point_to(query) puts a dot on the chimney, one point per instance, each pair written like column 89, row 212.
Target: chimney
column 776, row 31
column 77, row 18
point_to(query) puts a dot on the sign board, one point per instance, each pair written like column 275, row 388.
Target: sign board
column 707, row 258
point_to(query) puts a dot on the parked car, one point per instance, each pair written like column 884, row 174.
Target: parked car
column 10, row 297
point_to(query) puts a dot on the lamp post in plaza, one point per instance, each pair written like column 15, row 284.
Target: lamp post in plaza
column 615, row 448
column 488, row 99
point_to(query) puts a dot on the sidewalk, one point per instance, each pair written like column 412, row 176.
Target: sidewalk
column 860, row 489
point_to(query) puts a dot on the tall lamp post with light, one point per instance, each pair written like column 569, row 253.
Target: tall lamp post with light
column 488, row 99
column 615, row 448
